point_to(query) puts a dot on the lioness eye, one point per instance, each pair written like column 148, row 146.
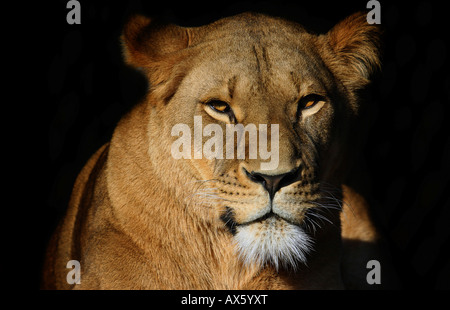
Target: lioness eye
column 309, row 101
column 219, row 106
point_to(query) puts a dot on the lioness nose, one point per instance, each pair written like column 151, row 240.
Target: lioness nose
column 272, row 183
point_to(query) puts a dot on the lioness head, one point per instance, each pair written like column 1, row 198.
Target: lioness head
column 293, row 93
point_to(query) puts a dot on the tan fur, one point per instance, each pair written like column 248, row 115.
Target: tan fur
column 140, row 219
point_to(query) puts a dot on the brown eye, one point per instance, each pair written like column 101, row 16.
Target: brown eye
column 219, row 106
column 309, row 101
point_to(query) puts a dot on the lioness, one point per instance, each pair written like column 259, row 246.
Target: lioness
column 139, row 218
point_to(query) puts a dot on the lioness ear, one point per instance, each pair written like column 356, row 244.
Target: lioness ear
column 353, row 50
column 156, row 49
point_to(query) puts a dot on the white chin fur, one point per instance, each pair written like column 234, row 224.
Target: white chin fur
column 274, row 242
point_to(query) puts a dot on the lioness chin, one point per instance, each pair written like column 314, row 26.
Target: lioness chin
column 139, row 218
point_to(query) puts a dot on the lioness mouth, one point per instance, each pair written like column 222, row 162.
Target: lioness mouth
column 229, row 221
column 268, row 215
column 280, row 241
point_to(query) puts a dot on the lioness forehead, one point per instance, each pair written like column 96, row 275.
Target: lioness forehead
column 264, row 49
column 261, row 65
column 260, row 36
column 254, row 25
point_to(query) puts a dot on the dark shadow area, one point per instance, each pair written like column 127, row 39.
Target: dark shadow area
column 368, row 266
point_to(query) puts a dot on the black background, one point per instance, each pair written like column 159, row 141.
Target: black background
column 87, row 88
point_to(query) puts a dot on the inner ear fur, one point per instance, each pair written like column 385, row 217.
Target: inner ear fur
column 352, row 50
column 158, row 50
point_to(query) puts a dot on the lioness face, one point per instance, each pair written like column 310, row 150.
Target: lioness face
column 263, row 80
column 264, row 74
